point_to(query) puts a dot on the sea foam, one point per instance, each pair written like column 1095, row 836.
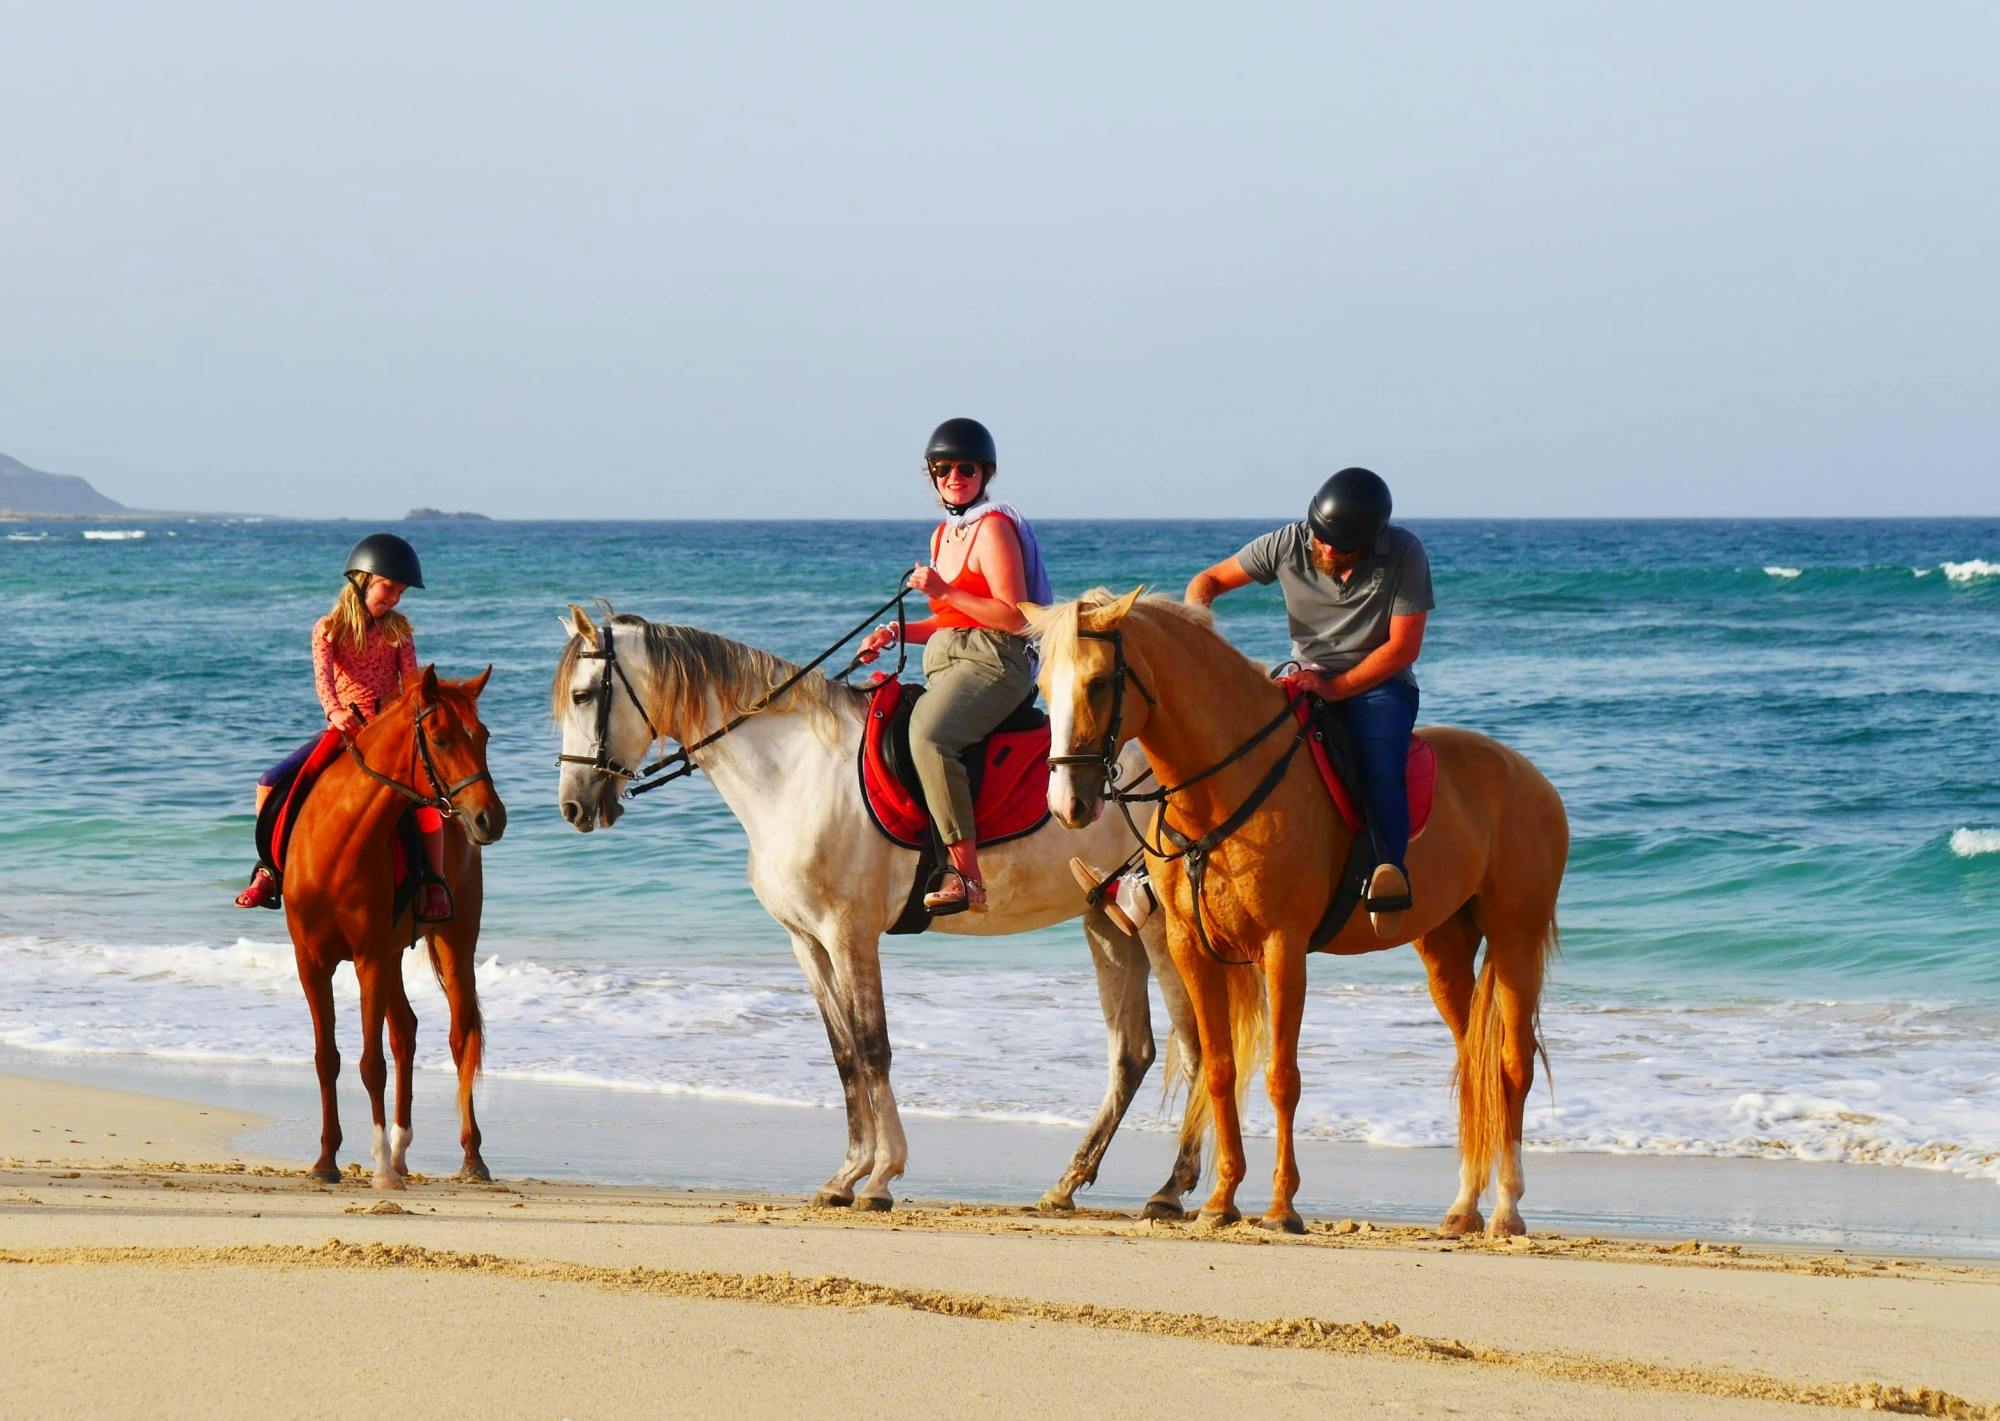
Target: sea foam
column 1970, row 571
column 114, row 535
column 1785, row 573
column 1971, row 843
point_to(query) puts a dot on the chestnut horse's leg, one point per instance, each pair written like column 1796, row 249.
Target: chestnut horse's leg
column 317, row 980
column 375, row 993
column 1448, row 951
column 1122, row 974
column 838, row 1192
column 452, row 951
column 403, row 1045
column 1285, row 971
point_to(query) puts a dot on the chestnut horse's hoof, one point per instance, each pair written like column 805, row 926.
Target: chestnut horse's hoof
column 1163, row 1209
column 1458, row 1225
column 1054, row 1203
column 827, row 1199
column 873, row 1203
column 1286, row 1223
column 324, row 1173
column 476, row 1171
column 1506, row 1225
column 1221, row 1218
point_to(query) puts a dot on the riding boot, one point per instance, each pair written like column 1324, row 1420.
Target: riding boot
column 434, row 901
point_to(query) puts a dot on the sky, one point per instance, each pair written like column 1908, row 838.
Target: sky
column 645, row 260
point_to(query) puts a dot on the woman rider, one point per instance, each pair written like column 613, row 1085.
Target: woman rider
column 984, row 562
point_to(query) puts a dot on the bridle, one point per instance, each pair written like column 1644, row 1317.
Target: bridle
column 441, row 794
column 1168, row 843
column 601, row 759
column 680, row 762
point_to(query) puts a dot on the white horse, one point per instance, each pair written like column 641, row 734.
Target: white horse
column 835, row 883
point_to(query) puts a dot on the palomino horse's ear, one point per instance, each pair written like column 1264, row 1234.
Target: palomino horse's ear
column 579, row 624
column 430, row 683
column 478, row 683
column 1103, row 619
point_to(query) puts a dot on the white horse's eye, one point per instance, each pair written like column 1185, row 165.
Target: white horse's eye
column 579, row 698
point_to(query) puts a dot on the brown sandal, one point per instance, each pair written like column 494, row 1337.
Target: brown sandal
column 941, row 902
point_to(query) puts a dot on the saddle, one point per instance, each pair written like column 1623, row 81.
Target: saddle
column 1009, row 771
column 288, row 797
column 1339, row 767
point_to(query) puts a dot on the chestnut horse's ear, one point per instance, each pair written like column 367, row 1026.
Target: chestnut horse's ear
column 478, row 683
column 430, row 684
column 1103, row 619
column 579, row 624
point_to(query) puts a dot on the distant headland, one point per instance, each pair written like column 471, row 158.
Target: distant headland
column 30, row 491
column 422, row 515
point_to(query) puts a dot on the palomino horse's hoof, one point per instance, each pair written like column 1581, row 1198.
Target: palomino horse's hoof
column 1506, row 1226
column 1221, row 1218
column 1458, row 1225
column 1285, row 1223
column 1054, row 1203
column 1163, row 1209
column 874, row 1203
column 827, row 1199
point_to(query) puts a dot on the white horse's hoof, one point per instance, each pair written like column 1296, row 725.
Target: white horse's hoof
column 389, row 1180
column 827, row 1199
column 873, row 1203
column 1054, row 1203
column 1163, row 1209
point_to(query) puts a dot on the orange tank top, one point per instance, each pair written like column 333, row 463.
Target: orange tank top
column 947, row 616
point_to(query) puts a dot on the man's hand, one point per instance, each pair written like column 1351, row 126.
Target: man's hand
column 1210, row 583
column 1326, row 686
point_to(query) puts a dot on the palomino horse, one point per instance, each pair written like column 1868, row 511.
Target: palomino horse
column 1489, row 864
column 835, row 884
column 426, row 747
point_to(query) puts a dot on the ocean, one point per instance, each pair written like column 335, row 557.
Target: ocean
column 1775, row 739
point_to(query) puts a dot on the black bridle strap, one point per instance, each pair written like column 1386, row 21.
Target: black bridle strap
column 441, row 794
column 680, row 763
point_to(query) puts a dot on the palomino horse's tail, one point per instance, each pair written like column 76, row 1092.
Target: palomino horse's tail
column 1480, row 1076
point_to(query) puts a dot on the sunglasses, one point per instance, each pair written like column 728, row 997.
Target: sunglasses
column 945, row 468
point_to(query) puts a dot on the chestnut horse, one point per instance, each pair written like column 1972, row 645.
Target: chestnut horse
column 425, row 747
column 1489, row 864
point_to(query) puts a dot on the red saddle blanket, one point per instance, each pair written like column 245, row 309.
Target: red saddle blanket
column 281, row 811
column 1420, row 770
column 1009, row 770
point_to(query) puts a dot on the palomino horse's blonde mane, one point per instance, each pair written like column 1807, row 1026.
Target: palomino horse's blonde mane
column 684, row 665
column 1057, row 625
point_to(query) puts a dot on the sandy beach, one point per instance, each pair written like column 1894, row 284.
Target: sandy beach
column 135, row 1222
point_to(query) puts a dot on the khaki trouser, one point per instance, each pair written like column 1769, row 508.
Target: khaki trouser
column 976, row 677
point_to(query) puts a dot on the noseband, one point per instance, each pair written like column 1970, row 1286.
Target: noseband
column 440, row 797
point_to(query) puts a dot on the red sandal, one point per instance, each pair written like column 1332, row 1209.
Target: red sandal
column 263, row 891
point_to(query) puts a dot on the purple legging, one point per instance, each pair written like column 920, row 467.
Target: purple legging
column 288, row 764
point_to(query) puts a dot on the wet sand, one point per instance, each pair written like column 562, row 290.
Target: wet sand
column 229, row 1286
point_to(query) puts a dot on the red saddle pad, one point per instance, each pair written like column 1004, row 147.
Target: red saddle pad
column 1013, row 792
column 1420, row 771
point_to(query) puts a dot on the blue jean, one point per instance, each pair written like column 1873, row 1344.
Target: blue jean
column 1380, row 722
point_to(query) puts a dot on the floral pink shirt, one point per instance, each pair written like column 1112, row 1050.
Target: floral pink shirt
column 362, row 679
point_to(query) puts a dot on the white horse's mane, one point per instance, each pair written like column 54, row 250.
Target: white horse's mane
column 682, row 666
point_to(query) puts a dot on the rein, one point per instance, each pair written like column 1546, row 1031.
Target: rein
column 680, row 763
column 440, row 798
column 1197, row 851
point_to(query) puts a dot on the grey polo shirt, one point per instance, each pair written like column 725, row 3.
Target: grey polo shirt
column 1334, row 624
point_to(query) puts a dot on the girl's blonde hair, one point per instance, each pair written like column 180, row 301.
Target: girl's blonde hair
column 349, row 622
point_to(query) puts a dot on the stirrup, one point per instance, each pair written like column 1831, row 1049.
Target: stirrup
column 940, row 904
column 1387, row 906
column 263, row 891
column 1125, row 896
column 450, row 904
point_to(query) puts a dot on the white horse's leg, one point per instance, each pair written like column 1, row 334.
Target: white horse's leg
column 839, row 1190
column 857, row 972
column 1186, row 1055
column 1120, row 961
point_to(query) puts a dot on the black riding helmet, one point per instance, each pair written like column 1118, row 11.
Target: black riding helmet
column 1350, row 510
column 386, row 555
column 962, row 439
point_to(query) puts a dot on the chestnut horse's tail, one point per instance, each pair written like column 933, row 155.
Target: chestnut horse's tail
column 1480, row 1076
column 468, row 1025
